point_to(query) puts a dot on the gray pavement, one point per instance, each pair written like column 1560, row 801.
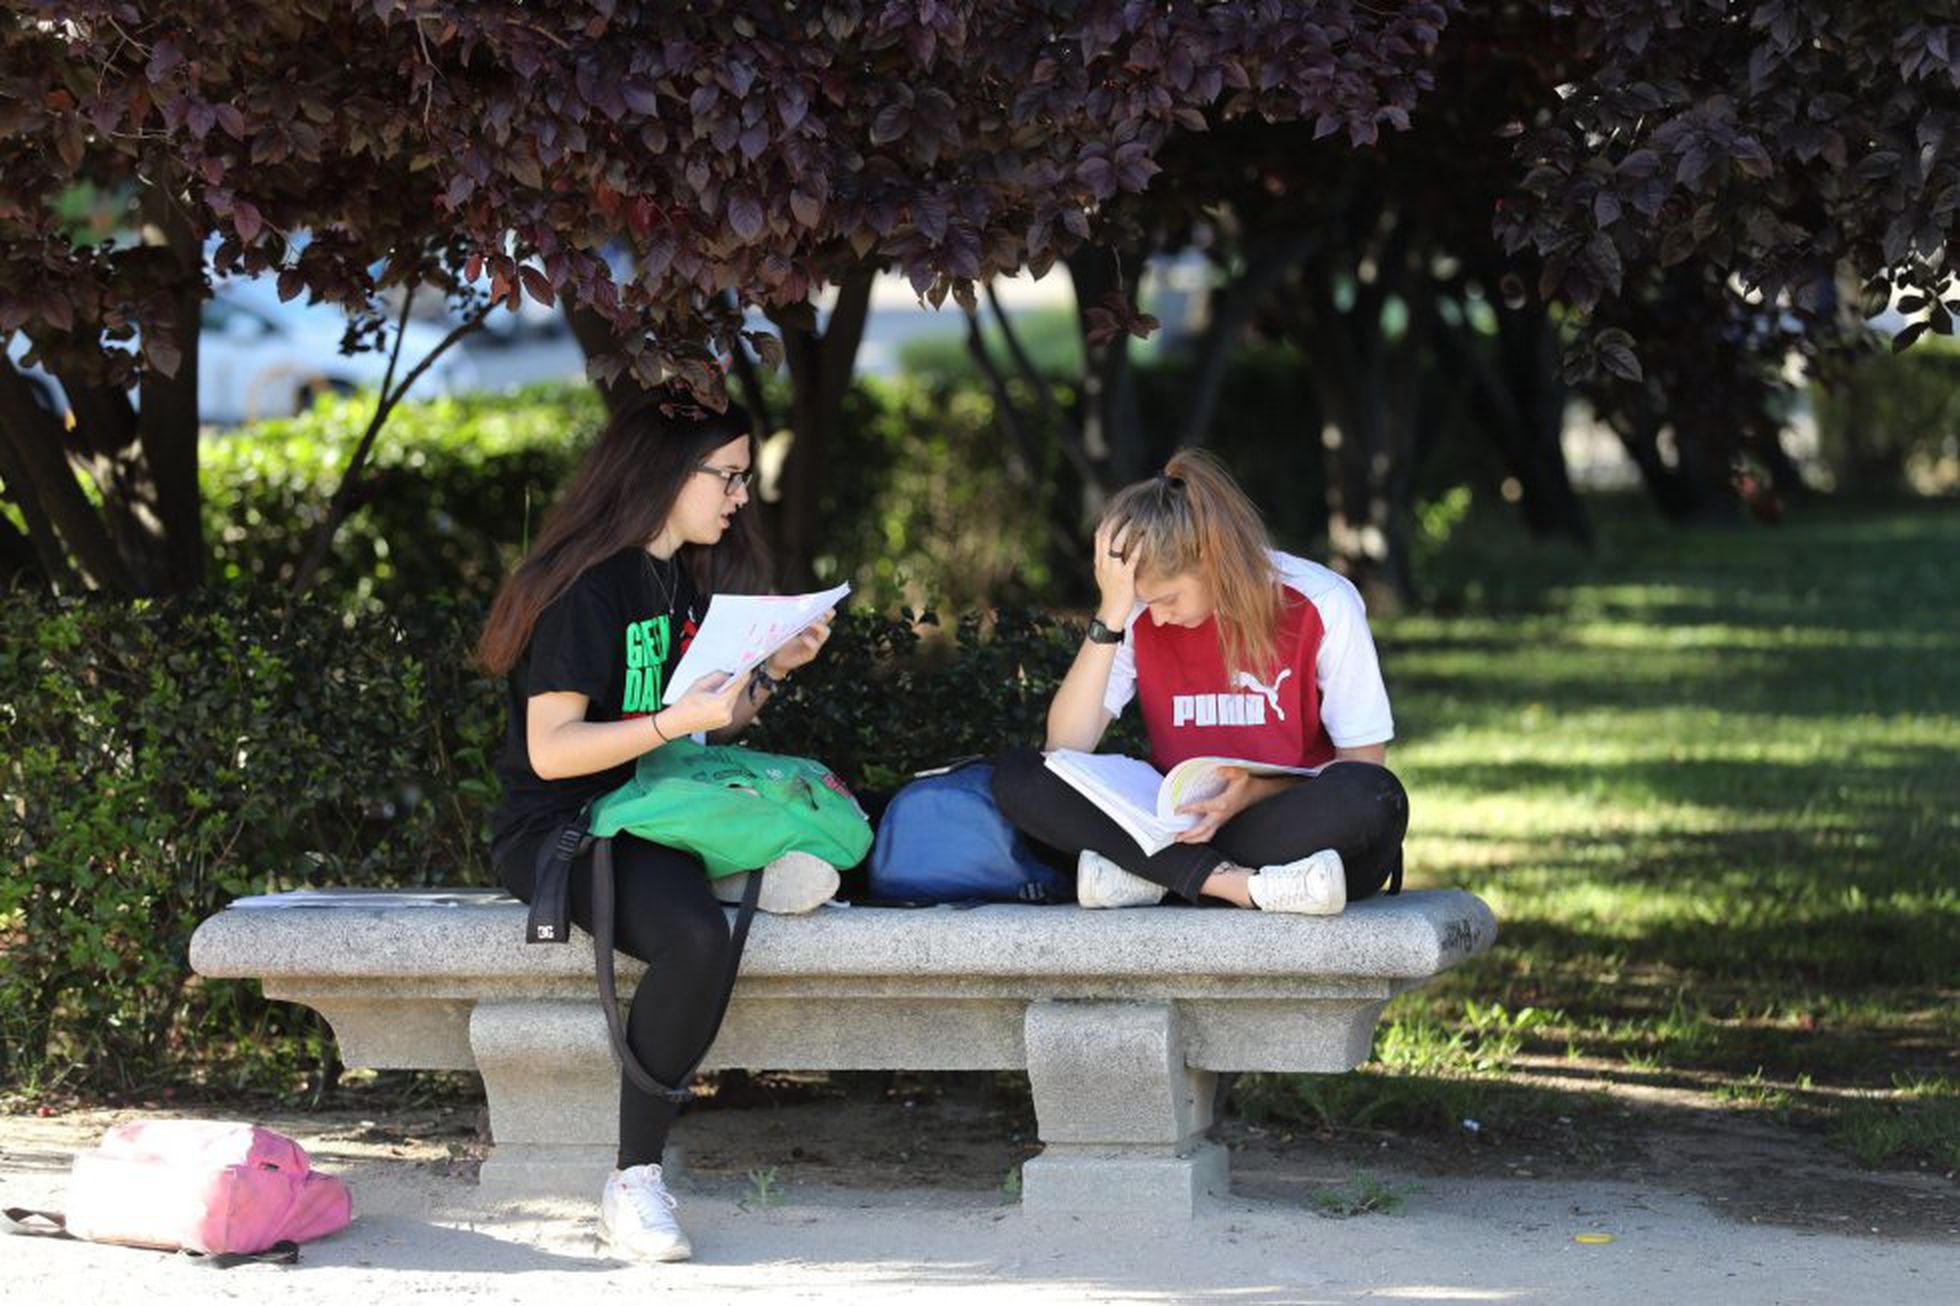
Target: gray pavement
column 424, row 1233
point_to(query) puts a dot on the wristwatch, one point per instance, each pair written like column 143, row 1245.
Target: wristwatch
column 1102, row 634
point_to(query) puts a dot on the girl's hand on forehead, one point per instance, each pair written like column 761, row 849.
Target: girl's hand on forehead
column 1116, row 574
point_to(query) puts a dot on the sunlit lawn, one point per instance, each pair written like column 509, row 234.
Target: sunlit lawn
column 1707, row 780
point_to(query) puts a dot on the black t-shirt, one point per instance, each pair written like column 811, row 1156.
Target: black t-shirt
column 614, row 637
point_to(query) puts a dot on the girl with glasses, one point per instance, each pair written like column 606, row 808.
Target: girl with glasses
column 588, row 631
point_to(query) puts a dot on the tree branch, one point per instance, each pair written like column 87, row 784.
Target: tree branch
column 1065, row 430
column 1025, row 456
column 763, row 421
column 341, row 504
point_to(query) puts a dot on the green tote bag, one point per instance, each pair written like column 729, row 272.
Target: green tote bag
column 736, row 809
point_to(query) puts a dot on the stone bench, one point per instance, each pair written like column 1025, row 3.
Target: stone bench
column 1122, row 1019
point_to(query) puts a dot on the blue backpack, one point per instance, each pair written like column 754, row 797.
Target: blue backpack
column 942, row 839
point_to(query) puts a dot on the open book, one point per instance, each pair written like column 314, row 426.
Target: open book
column 1145, row 803
column 741, row 630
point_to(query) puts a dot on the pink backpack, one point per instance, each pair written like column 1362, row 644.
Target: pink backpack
column 214, row 1187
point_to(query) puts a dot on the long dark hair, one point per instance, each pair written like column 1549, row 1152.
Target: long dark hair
column 620, row 498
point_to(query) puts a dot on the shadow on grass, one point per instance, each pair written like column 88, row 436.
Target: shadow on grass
column 1585, row 1119
column 1477, row 679
column 1871, row 792
column 1892, row 944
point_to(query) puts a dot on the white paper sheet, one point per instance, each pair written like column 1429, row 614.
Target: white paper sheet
column 373, row 898
column 741, row 630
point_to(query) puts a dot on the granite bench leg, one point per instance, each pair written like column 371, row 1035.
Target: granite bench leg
column 553, row 1093
column 1121, row 1115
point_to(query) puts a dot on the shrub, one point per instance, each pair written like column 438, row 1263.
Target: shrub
column 919, row 503
column 453, row 490
column 894, row 695
column 1894, row 422
column 159, row 759
column 924, row 507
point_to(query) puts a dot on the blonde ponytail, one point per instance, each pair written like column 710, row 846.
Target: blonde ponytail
column 1195, row 518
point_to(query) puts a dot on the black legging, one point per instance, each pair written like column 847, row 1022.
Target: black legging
column 1356, row 808
column 665, row 915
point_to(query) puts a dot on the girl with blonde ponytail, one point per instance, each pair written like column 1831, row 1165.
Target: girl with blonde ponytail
column 1230, row 649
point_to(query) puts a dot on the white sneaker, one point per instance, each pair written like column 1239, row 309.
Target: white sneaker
column 1312, row 886
column 1100, row 882
column 791, row 885
column 636, row 1215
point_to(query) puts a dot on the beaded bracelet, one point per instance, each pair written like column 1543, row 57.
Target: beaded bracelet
column 759, row 680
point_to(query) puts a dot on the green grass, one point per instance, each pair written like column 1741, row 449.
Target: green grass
column 1707, row 781
column 1363, row 1194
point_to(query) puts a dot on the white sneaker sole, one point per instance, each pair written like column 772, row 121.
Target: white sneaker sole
column 680, row 1252
column 1329, row 863
column 793, row 884
column 1101, row 885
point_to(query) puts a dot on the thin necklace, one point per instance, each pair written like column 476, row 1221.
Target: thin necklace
column 668, row 589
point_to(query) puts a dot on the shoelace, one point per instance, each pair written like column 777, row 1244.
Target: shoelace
column 643, row 1194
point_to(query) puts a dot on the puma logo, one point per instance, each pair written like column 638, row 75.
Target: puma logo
column 1270, row 693
column 1230, row 709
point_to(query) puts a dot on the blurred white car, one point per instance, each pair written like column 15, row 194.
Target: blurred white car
column 258, row 357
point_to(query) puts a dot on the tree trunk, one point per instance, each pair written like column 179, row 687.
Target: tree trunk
column 1551, row 506
column 1522, row 401
column 821, row 364
column 1232, row 310
column 147, row 537
column 168, row 426
column 46, row 556
column 37, row 468
column 1372, row 400
column 19, row 563
column 1676, row 491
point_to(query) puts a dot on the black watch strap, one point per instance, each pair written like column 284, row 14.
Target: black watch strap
column 1099, row 633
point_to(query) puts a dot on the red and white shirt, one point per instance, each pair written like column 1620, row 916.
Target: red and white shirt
column 1325, row 692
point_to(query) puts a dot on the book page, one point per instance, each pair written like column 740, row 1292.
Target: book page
column 1123, row 787
column 1196, row 778
column 741, row 630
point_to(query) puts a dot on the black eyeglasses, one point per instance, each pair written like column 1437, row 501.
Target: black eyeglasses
column 731, row 479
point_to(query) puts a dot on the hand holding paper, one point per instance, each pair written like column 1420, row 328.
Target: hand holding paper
column 802, row 648
column 741, row 630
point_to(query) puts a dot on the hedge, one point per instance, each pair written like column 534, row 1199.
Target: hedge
column 159, row 759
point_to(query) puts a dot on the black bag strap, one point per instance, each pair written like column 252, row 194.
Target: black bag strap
column 56, row 1226
column 602, row 947
column 284, row 1252
column 1395, row 874
column 550, row 920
